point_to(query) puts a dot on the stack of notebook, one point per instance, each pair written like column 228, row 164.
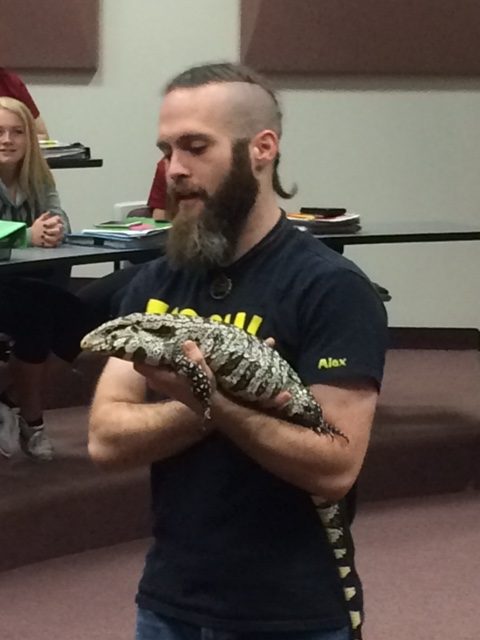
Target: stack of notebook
column 326, row 220
column 129, row 234
column 56, row 149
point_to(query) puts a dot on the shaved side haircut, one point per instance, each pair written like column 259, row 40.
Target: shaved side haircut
column 255, row 106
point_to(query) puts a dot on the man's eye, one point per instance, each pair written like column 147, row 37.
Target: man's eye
column 196, row 151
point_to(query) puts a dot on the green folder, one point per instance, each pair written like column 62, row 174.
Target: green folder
column 160, row 224
column 12, row 236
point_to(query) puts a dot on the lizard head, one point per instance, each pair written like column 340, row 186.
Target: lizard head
column 141, row 336
column 113, row 336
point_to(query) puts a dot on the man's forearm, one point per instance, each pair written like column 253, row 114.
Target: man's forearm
column 126, row 434
column 318, row 464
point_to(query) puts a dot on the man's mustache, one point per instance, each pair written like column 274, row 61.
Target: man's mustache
column 177, row 193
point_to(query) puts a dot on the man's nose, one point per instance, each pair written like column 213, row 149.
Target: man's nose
column 176, row 167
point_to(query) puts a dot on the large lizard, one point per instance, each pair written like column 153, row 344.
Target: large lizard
column 244, row 366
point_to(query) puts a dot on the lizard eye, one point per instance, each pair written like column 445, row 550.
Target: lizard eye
column 166, row 332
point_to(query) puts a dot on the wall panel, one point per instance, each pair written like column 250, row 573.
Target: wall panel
column 49, row 34
column 427, row 37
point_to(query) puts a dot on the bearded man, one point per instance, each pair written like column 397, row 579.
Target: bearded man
column 239, row 551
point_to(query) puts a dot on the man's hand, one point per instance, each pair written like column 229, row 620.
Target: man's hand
column 177, row 386
column 47, row 230
column 280, row 400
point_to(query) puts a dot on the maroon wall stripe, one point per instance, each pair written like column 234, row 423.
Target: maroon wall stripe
column 429, row 37
column 49, row 34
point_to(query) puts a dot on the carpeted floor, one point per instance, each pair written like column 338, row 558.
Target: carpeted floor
column 68, row 505
column 417, row 530
column 419, row 558
column 420, row 562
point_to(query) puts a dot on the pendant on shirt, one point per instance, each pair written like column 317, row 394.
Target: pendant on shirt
column 220, row 287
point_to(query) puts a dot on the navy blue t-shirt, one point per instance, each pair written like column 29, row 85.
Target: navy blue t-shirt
column 236, row 547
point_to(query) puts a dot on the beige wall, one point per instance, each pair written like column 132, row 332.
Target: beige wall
column 386, row 149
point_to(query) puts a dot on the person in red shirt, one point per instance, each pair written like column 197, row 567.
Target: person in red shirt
column 103, row 294
column 11, row 86
column 158, row 192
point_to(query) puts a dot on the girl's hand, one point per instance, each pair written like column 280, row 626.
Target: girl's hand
column 47, row 230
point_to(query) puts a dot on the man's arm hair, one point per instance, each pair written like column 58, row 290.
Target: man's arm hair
column 316, row 463
column 125, row 431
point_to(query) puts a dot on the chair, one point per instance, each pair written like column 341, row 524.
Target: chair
column 129, row 209
column 5, row 347
column 122, row 210
column 338, row 246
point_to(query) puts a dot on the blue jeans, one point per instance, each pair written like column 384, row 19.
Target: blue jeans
column 151, row 626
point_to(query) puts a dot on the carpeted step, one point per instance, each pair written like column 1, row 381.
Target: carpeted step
column 67, row 505
column 426, row 440
column 426, row 435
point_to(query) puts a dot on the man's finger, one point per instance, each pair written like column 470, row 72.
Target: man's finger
column 278, row 402
column 162, row 374
column 270, row 342
column 192, row 351
column 282, row 399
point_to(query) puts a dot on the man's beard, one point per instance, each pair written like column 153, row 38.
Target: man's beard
column 209, row 238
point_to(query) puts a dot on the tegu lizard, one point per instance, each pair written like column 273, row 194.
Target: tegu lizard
column 244, row 367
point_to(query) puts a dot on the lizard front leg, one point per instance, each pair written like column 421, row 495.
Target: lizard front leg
column 199, row 381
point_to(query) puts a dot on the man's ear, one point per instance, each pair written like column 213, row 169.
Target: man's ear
column 264, row 148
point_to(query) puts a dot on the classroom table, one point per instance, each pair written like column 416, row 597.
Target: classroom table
column 70, row 255
column 370, row 233
column 402, row 231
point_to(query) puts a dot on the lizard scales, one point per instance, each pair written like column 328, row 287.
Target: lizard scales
column 244, row 367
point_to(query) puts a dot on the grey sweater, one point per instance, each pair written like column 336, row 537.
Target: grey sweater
column 22, row 211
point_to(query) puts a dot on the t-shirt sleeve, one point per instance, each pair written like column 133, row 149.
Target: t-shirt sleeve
column 22, row 94
column 158, row 191
column 134, row 297
column 343, row 329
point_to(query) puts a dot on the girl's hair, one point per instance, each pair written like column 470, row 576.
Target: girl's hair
column 34, row 175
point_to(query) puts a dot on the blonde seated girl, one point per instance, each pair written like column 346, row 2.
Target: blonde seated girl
column 32, row 306
column 27, row 187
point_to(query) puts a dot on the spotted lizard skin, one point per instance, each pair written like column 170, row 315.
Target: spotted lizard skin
column 245, row 368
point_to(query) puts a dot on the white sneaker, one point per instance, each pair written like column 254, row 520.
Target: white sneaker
column 9, row 431
column 35, row 442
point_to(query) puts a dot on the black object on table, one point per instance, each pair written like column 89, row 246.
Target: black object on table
column 73, row 163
